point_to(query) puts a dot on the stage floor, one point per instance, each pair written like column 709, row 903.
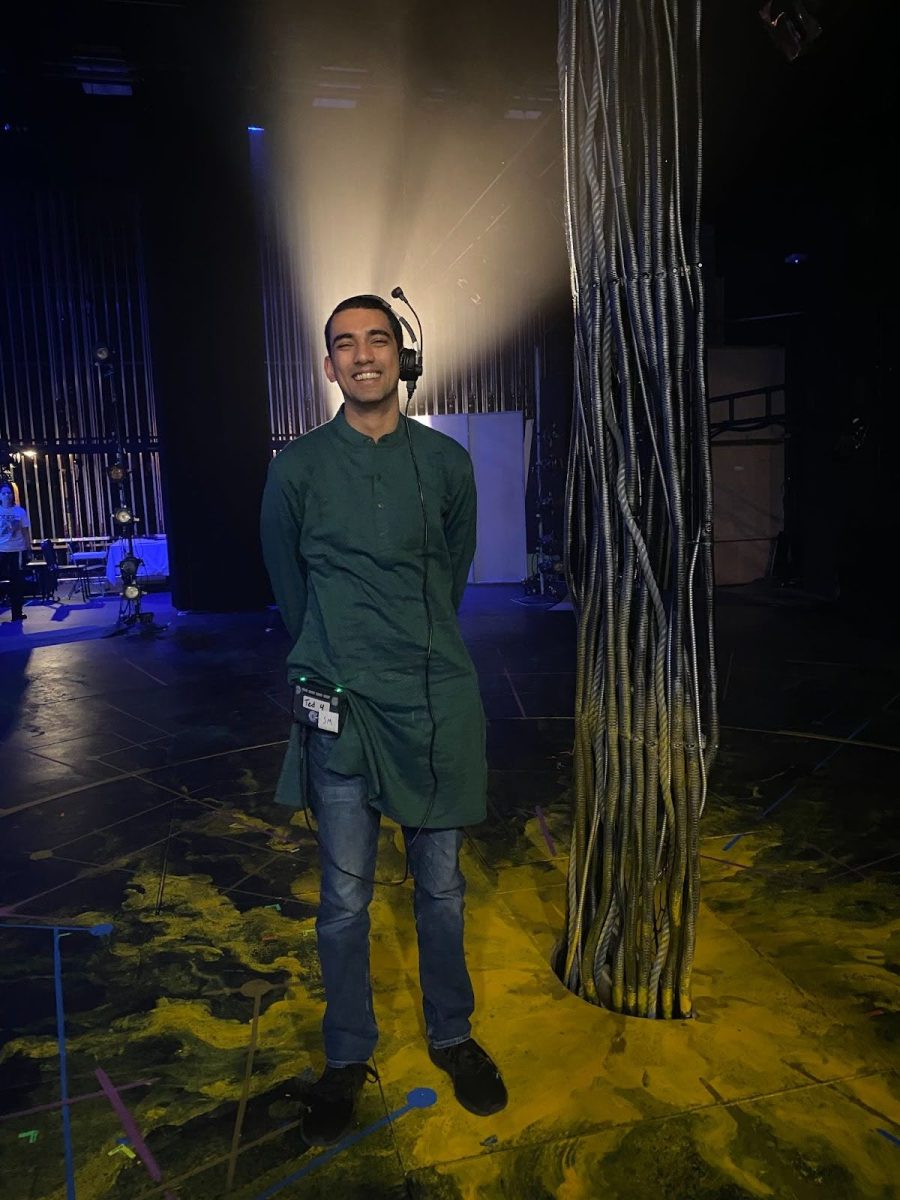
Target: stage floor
column 137, row 775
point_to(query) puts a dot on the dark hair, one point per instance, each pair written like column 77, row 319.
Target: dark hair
column 367, row 301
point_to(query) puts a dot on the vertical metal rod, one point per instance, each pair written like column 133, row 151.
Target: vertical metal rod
column 538, row 456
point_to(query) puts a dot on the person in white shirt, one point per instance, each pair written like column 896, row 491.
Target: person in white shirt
column 13, row 543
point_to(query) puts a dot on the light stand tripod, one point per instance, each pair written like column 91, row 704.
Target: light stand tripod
column 131, row 612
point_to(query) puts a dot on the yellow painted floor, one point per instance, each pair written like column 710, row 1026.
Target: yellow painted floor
column 205, row 1014
column 763, row 1094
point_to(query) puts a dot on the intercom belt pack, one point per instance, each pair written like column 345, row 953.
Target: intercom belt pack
column 319, row 706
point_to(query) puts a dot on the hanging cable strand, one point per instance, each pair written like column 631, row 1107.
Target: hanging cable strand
column 638, row 507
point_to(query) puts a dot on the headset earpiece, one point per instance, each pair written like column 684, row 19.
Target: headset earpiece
column 410, row 368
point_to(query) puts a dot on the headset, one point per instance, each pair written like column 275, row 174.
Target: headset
column 410, row 360
column 411, row 367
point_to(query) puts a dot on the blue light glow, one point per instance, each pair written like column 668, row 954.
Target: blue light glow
column 255, row 129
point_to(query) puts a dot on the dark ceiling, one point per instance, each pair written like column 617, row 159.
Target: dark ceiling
column 761, row 111
column 798, row 154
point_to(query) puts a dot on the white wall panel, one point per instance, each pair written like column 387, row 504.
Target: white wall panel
column 495, row 442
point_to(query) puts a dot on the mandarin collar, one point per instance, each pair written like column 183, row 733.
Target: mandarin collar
column 353, row 437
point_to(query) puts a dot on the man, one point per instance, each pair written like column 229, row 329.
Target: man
column 13, row 543
column 346, row 548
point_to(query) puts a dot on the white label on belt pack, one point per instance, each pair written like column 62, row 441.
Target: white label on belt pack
column 320, row 714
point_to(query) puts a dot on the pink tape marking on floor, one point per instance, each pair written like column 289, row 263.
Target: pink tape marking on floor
column 140, row 1147
column 28, row 1112
column 542, row 821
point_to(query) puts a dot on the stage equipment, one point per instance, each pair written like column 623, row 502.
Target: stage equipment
column 791, row 26
column 410, row 360
column 123, row 516
column 11, row 453
column 124, row 520
column 104, row 358
column 318, row 706
column 638, row 543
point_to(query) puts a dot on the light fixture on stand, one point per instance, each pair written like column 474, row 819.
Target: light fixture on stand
column 130, row 605
column 123, row 517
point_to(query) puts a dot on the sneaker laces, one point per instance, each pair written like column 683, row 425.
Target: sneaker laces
column 471, row 1057
column 339, row 1083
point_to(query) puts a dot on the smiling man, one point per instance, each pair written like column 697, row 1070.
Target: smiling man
column 368, row 585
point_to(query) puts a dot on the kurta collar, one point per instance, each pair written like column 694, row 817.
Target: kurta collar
column 353, row 437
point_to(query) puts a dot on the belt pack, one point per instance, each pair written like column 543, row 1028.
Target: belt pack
column 319, row 706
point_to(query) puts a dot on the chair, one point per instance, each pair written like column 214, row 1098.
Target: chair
column 88, row 564
column 42, row 574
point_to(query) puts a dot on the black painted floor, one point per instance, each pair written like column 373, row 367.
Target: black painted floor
column 136, row 776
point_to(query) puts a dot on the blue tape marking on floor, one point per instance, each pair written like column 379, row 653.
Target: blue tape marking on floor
column 818, row 767
column 59, row 932
column 94, row 930
column 63, row 1067
column 886, row 1133
column 417, row 1098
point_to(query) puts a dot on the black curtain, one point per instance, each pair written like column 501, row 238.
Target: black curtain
column 206, row 318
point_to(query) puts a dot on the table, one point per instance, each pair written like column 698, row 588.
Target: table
column 83, row 561
column 153, row 550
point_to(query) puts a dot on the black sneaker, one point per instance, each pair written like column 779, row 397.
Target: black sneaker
column 476, row 1081
column 330, row 1102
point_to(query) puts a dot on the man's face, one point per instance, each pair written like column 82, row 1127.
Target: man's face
column 364, row 361
column 6, row 496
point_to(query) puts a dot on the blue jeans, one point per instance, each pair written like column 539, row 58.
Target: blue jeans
column 348, row 839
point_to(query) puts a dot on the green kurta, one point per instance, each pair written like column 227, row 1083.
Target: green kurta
column 343, row 541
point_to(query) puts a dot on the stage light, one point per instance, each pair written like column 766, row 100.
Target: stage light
column 456, row 203
column 117, row 472
column 104, row 357
column 791, row 26
column 128, row 569
column 16, row 454
column 123, row 516
column 796, row 258
column 255, row 129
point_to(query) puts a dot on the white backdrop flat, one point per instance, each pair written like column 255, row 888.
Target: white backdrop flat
column 495, row 442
